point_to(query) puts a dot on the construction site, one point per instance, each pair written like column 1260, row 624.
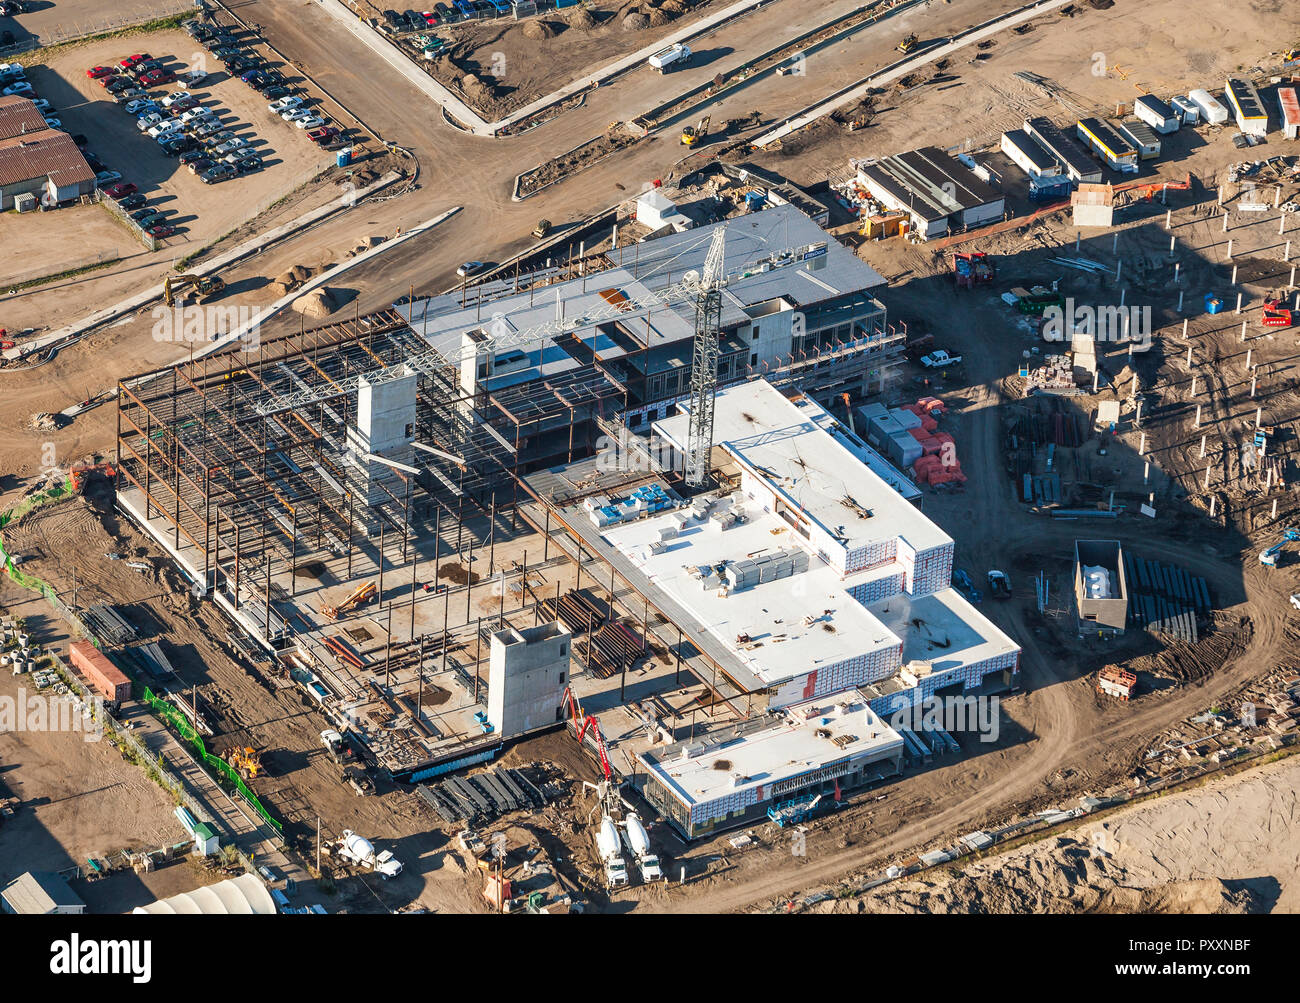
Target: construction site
column 844, row 481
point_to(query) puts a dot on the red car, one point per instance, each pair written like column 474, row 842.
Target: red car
column 323, row 134
column 130, row 61
column 95, row 72
column 156, row 78
column 121, row 190
column 161, row 230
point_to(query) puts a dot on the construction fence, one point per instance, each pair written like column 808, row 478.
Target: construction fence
column 180, row 724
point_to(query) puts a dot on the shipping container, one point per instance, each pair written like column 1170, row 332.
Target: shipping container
column 102, row 675
column 1155, row 113
column 1289, row 105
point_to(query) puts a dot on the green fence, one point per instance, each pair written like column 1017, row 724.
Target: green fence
column 181, row 725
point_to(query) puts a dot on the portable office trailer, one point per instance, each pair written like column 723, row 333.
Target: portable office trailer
column 1031, row 158
column 1078, row 165
column 1209, row 106
column 1155, row 113
column 1142, row 136
column 1187, row 110
column 1244, row 100
column 1289, row 105
column 1117, row 152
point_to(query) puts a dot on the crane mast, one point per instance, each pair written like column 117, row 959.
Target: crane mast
column 704, row 364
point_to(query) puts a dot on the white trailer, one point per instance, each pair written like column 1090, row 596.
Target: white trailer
column 1155, row 113
column 1188, row 112
column 671, row 58
column 1210, row 108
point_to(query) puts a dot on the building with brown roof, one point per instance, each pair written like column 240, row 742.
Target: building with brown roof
column 37, row 159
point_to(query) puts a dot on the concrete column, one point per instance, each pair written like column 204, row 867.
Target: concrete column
column 1234, row 272
column 1146, row 472
column 1193, row 379
column 1214, row 502
column 1243, row 330
column 1119, row 268
column 1207, row 477
column 1169, row 218
column 1177, row 265
column 1171, row 245
column 1123, row 294
column 1114, row 244
column 1249, row 353
column 1142, row 445
column 1274, row 514
column 1198, row 425
column 1225, row 221
column 1203, row 437
column 1180, row 309
column 1253, row 378
column 1238, row 294
column 1189, row 347
column 1259, row 417
column 1286, row 252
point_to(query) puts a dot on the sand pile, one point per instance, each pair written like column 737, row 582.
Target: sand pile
column 672, row 7
column 538, row 30
column 636, row 21
column 582, row 19
column 659, row 18
column 316, row 304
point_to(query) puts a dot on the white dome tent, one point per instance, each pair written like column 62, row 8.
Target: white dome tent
column 245, row 895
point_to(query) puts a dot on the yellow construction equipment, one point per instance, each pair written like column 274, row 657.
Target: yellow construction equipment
column 908, row 43
column 692, row 135
column 204, row 286
column 245, row 761
column 359, row 596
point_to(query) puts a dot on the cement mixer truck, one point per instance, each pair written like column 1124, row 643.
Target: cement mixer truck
column 607, row 844
column 637, row 841
column 360, row 851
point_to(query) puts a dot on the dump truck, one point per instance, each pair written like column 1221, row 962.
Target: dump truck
column 607, row 844
column 671, row 58
column 360, row 851
column 637, row 841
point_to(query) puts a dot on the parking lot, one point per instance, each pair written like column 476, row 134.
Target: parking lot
column 199, row 212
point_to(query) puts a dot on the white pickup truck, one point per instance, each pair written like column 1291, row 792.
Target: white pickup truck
column 940, row 359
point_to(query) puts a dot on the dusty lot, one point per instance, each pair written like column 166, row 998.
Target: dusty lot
column 55, row 242
column 498, row 66
column 77, row 798
column 49, row 22
column 1226, row 847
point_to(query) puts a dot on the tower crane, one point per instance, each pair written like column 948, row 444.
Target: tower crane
column 704, row 367
column 498, row 335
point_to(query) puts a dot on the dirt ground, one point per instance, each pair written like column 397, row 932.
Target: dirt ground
column 1222, row 848
column 77, row 798
column 499, row 66
column 46, row 238
column 49, row 21
column 1058, row 738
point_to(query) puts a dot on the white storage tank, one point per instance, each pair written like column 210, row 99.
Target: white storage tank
column 1209, row 106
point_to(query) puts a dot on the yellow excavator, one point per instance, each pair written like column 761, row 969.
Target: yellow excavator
column 908, row 43
column 204, row 287
column 245, row 761
column 691, row 135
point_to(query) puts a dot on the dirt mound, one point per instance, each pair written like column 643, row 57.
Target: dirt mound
column 659, row 18
column 636, row 21
column 538, row 30
column 672, row 8
column 317, row 303
column 582, row 20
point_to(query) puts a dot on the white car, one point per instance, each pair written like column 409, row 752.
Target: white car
column 310, row 122
column 231, row 145
column 162, row 128
column 283, row 103
column 107, row 178
column 147, row 121
column 294, row 114
column 198, row 113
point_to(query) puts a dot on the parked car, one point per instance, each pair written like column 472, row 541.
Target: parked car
column 134, row 201
column 156, row 78
column 247, row 165
column 43, row 106
column 21, row 88
column 217, row 173
column 144, row 216
column 200, row 164
column 160, row 230
column 276, row 91
column 322, row 134
column 285, row 103
column 121, row 189
column 195, row 78
column 194, row 114
column 176, row 145
column 115, row 84
column 471, row 268
column 310, row 122
column 53, row 123
column 130, row 61
column 141, row 105
column 293, row 114
column 148, row 120
column 231, row 145
column 106, row 178
column 164, row 129
column 189, row 158
column 130, row 94
column 96, row 72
